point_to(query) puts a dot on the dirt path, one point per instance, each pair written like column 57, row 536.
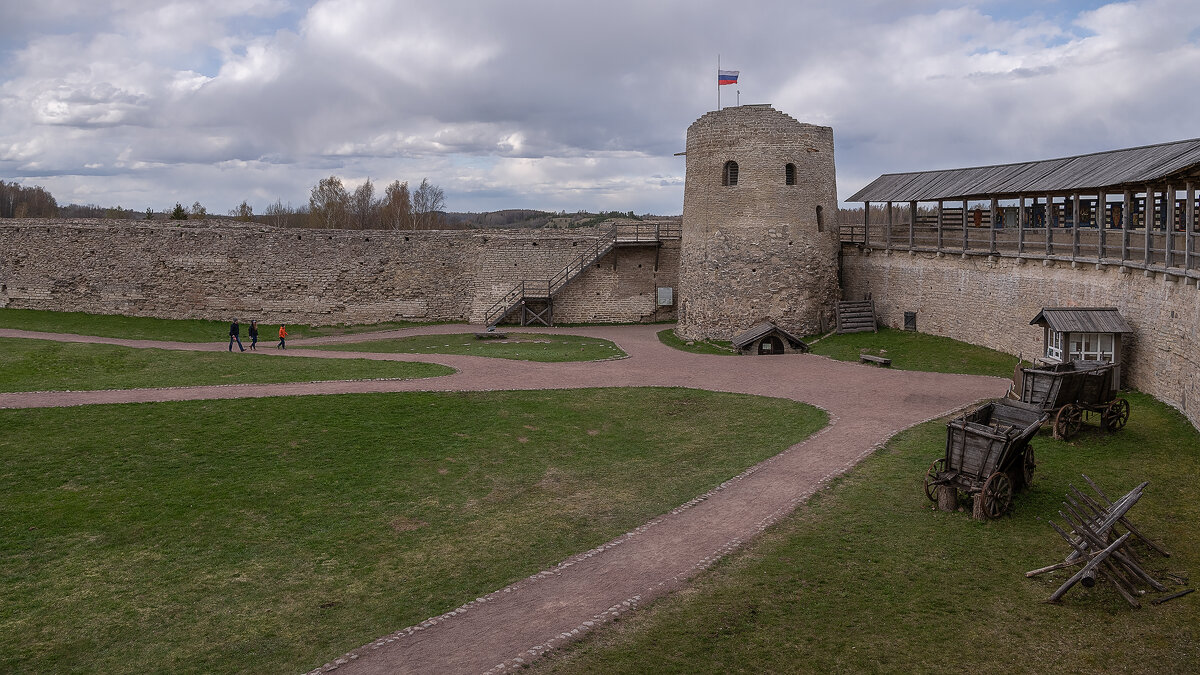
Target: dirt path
column 514, row 625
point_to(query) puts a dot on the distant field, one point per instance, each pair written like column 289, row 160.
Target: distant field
column 180, row 330
column 518, row 346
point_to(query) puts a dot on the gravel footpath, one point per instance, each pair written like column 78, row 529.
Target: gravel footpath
column 515, row 625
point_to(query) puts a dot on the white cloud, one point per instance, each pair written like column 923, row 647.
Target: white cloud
column 558, row 105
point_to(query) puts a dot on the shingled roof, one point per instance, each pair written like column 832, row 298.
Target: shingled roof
column 1132, row 167
column 1082, row 320
column 760, row 330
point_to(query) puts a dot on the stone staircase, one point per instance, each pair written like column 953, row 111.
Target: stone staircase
column 856, row 316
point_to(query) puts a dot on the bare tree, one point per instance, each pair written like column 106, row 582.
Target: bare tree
column 427, row 201
column 364, row 208
column 198, row 211
column 396, row 210
column 243, row 212
column 328, row 205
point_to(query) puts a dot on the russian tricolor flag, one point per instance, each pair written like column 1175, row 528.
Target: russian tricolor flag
column 727, row 77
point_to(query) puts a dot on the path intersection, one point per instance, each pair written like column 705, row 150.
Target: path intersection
column 514, row 625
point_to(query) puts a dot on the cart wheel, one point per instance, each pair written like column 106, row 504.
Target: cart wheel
column 1028, row 466
column 1115, row 415
column 996, row 495
column 1068, row 421
column 938, row 466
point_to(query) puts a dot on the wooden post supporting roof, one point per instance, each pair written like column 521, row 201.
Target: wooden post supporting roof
column 887, row 236
column 1101, row 226
column 940, row 216
column 866, row 223
column 1189, row 224
column 1169, row 234
column 966, row 229
column 1075, row 225
column 1147, row 220
column 912, row 223
column 1022, row 219
column 1050, row 218
column 1126, row 223
column 992, row 235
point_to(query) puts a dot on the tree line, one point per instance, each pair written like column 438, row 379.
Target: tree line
column 17, row 201
column 330, row 206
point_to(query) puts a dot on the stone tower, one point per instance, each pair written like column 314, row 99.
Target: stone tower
column 760, row 235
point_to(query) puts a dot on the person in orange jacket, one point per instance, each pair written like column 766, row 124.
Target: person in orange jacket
column 282, row 335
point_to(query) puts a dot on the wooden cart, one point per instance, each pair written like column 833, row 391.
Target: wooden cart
column 988, row 455
column 1066, row 391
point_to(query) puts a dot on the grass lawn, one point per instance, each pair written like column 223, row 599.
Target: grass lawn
column 918, row 351
column 721, row 347
column 518, row 346
column 269, row 535
column 867, row 578
column 44, row 365
column 181, row 330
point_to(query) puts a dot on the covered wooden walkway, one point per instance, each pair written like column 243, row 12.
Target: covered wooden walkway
column 1134, row 207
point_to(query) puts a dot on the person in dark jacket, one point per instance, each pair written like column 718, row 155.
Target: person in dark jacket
column 253, row 334
column 235, row 331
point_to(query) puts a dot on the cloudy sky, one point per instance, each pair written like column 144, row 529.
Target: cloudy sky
column 559, row 104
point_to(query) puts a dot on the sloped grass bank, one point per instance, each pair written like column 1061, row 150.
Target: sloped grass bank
column 909, row 350
column 866, row 578
column 45, row 365
column 180, row 330
column 517, row 346
column 265, row 535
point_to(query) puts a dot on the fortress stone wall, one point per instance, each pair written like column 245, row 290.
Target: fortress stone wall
column 990, row 303
column 221, row 270
column 763, row 245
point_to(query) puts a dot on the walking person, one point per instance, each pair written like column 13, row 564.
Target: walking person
column 282, row 335
column 253, row 335
column 235, row 335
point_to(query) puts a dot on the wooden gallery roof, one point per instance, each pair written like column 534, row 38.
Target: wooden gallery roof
column 1082, row 320
column 1132, row 168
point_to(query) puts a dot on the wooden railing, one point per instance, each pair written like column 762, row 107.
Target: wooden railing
column 1169, row 251
column 622, row 233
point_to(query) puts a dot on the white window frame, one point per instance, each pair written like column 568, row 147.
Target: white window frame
column 1092, row 347
column 1054, row 345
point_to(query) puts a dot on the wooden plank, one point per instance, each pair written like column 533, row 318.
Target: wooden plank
column 1189, row 223
column 1101, row 215
column 941, row 212
column 1147, row 220
column 1169, row 226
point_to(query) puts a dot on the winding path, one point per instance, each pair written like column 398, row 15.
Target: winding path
column 515, row 625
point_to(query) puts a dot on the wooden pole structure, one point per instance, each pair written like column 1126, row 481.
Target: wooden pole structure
column 1021, row 221
column 1126, row 222
column 992, row 218
column 912, row 223
column 887, row 236
column 965, row 240
column 1147, row 219
column 1050, row 220
column 1169, row 235
column 1075, row 226
column 940, row 216
column 1101, row 226
column 1189, row 224
column 866, row 223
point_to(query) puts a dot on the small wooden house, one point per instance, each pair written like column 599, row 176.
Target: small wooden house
column 767, row 338
column 1083, row 334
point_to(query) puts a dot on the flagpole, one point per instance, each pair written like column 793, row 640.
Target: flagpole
column 718, row 81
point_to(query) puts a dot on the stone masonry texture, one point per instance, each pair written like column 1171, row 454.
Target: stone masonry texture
column 991, row 301
column 205, row 269
column 761, row 249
